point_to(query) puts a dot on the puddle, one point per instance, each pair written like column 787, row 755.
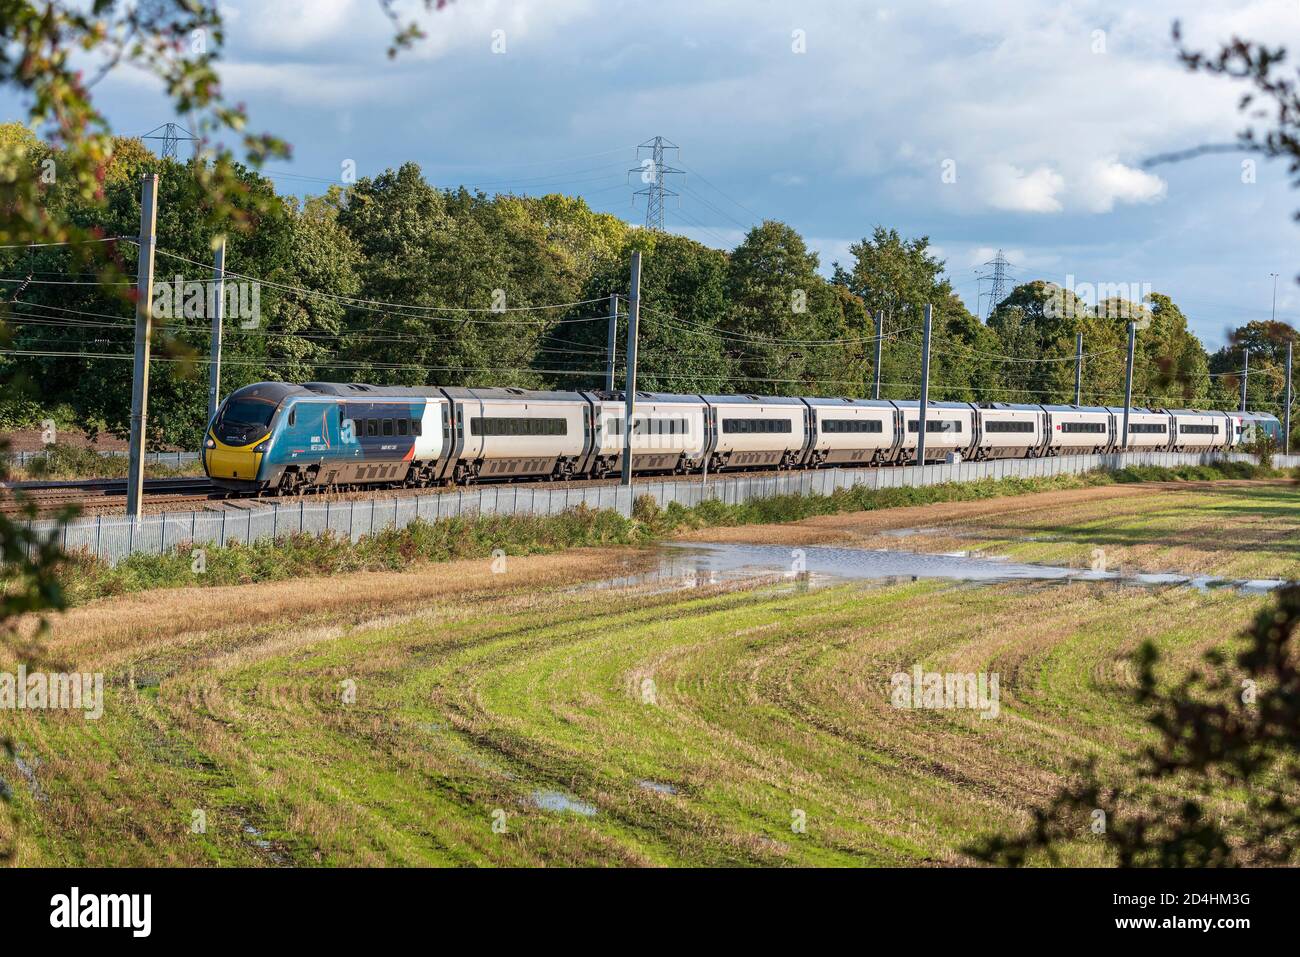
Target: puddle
column 716, row 562
column 559, row 801
column 28, row 770
column 257, row 837
column 658, row 786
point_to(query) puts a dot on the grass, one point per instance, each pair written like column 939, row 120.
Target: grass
column 477, row 689
column 88, row 578
column 1235, row 531
column 61, row 461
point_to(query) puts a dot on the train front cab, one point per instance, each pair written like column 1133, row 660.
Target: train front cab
column 239, row 435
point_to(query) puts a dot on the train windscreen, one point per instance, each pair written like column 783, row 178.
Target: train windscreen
column 245, row 418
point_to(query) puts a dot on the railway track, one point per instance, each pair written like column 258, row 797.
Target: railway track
column 108, row 496
column 91, row 494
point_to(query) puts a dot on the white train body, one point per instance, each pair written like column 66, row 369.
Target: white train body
column 757, row 431
column 669, row 432
column 333, row 434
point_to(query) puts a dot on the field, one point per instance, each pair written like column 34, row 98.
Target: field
column 471, row 714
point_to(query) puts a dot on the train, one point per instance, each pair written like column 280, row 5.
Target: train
column 284, row 438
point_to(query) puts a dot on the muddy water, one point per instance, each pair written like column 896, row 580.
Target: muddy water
column 699, row 563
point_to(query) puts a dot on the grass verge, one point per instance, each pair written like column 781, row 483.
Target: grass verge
column 87, row 578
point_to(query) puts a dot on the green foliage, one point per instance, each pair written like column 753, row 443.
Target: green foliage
column 1263, row 448
column 389, row 549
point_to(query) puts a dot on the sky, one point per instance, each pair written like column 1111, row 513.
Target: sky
column 1021, row 125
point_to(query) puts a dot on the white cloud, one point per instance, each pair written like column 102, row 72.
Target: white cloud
column 1011, row 188
column 1108, row 182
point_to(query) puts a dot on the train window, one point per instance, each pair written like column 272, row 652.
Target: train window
column 416, row 427
column 936, row 425
column 388, row 426
column 1096, row 428
column 293, row 417
column 1146, row 428
column 995, row 425
column 852, row 425
column 749, row 426
column 1198, row 429
column 403, row 425
column 372, row 426
column 498, row 425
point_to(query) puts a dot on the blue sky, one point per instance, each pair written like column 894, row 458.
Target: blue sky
column 833, row 116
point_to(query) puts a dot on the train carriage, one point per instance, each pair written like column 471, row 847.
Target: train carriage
column 669, row 432
column 1147, row 428
column 325, row 434
column 949, row 427
column 517, row 433
column 1196, row 431
column 750, row 431
column 1079, row 430
column 1248, row 426
column 1009, row 431
column 851, row 432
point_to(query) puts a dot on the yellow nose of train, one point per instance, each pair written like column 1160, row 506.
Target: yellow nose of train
column 238, row 463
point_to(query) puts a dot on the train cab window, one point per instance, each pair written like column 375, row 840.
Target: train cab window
column 372, row 426
column 416, row 427
column 293, row 417
column 388, row 426
column 403, row 426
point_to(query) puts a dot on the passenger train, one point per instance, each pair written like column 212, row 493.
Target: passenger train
column 282, row 438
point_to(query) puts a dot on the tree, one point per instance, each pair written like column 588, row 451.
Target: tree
column 683, row 304
column 43, row 47
column 785, row 322
column 1266, row 381
column 900, row 277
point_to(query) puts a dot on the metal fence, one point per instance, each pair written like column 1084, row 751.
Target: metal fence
column 173, row 459
column 112, row 537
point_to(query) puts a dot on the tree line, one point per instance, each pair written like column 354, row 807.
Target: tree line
column 392, row 280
